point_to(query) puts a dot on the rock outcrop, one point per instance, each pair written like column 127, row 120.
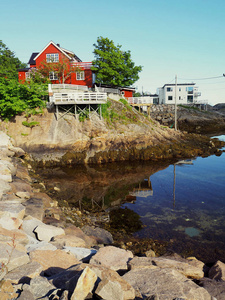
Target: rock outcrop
column 125, row 135
column 42, row 261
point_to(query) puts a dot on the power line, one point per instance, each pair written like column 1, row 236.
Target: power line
column 206, row 78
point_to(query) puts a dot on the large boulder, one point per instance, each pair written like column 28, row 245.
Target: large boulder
column 58, row 259
column 23, row 273
column 164, row 284
column 217, row 271
column 111, row 285
column 11, row 258
column 112, row 257
column 84, row 285
column 102, row 236
column 182, row 267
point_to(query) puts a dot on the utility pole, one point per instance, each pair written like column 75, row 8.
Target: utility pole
column 175, row 115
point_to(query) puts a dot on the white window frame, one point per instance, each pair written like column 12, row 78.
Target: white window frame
column 27, row 74
column 80, row 75
column 53, row 76
column 52, row 57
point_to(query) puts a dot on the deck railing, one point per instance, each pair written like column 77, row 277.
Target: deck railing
column 69, row 87
column 79, row 98
column 140, row 100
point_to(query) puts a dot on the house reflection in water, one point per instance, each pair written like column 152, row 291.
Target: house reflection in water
column 144, row 189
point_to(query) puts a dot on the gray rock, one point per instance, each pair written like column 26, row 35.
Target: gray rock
column 47, row 232
column 12, row 209
column 34, row 207
column 182, row 267
column 111, row 285
column 83, row 254
column 217, row 271
column 40, row 287
column 102, row 235
column 85, row 284
column 164, row 283
column 11, row 257
column 34, row 244
column 112, row 257
column 24, row 273
column 214, row 287
column 29, row 224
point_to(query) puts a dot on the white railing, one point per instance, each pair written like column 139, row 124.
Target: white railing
column 140, row 100
column 82, row 65
column 201, row 102
column 69, row 87
column 78, row 98
column 107, row 90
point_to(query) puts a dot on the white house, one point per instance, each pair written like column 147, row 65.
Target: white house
column 186, row 93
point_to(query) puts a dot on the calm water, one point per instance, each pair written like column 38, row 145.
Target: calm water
column 182, row 203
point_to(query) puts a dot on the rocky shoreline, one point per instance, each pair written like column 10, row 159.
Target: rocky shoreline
column 43, row 257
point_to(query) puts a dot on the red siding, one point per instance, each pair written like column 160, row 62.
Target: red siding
column 22, row 76
column 128, row 94
column 51, row 49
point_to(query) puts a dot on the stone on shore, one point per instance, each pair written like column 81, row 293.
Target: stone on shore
column 112, row 285
column 29, row 224
column 11, row 258
column 39, row 288
column 24, row 273
column 85, row 284
column 217, row 271
column 83, row 254
column 47, row 232
column 102, row 236
column 112, row 257
column 57, row 260
column 61, row 241
column 12, row 209
column 10, row 235
column 164, row 283
column 182, row 267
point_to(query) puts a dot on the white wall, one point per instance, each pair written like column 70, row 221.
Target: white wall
column 181, row 94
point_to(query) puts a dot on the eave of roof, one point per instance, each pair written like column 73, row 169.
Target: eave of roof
column 57, row 47
column 173, row 84
column 31, row 60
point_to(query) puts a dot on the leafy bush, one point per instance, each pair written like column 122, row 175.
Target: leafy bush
column 16, row 98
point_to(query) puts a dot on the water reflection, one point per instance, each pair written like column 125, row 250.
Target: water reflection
column 187, row 207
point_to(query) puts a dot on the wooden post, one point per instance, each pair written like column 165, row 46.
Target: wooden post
column 57, row 112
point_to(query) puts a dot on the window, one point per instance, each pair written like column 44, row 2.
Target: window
column 190, row 90
column 170, row 97
column 180, row 98
column 179, row 89
column 190, row 98
column 169, row 89
column 53, row 76
column 52, row 57
column 80, row 75
column 27, row 75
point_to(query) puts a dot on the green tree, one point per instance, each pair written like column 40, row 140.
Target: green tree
column 9, row 63
column 113, row 66
column 15, row 98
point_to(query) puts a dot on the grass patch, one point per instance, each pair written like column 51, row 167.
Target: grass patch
column 30, row 124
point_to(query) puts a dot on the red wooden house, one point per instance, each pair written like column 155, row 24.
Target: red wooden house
column 53, row 53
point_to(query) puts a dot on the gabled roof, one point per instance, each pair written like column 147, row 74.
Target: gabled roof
column 67, row 53
column 32, row 61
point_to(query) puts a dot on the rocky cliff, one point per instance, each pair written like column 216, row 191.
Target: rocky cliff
column 124, row 134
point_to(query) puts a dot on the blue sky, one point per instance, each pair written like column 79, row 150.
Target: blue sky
column 165, row 37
